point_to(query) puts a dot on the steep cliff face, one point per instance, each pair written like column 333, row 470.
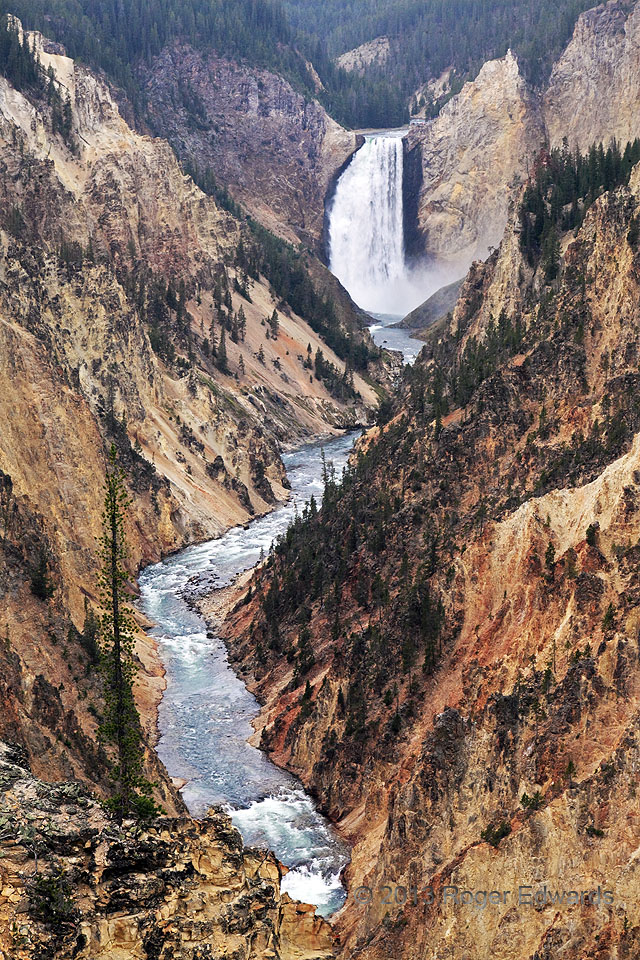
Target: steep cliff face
column 483, row 141
column 594, row 88
column 107, row 248
column 275, row 150
column 373, row 52
column 74, row 884
column 470, row 154
column 470, row 642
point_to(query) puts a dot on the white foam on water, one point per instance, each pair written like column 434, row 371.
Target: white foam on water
column 289, row 823
column 312, row 886
column 366, row 228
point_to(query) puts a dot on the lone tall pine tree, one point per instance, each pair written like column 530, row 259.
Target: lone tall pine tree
column 120, row 727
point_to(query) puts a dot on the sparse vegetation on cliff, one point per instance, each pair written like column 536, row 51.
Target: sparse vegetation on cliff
column 18, row 62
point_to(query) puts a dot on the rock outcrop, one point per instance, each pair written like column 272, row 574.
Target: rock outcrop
column 75, row 884
column 469, row 156
column 367, row 54
column 594, row 88
column 276, row 151
column 435, row 308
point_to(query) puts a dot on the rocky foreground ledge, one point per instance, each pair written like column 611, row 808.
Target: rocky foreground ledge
column 75, row 884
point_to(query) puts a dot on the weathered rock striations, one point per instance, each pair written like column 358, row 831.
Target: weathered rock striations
column 470, row 155
column 593, row 92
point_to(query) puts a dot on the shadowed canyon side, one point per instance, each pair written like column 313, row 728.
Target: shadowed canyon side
column 464, row 700
column 276, row 150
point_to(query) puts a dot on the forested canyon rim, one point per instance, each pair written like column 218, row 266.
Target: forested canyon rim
column 444, row 644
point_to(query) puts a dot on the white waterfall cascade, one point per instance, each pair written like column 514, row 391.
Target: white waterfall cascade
column 366, row 230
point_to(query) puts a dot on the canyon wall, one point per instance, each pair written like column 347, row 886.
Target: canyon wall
column 114, row 266
column 472, row 157
column 275, row 150
column 593, row 91
column 464, row 700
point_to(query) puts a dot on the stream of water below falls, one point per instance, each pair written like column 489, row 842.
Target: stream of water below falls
column 386, row 334
column 205, row 715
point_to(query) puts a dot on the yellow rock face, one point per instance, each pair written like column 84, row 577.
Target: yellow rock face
column 75, row 356
column 469, row 156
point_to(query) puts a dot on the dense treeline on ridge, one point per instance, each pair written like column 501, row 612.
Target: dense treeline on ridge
column 427, row 38
column 563, row 188
column 117, row 35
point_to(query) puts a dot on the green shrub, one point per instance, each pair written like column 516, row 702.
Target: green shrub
column 494, row 834
column 532, row 803
column 50, row 900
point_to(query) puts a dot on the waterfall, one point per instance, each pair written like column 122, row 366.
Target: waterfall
column 366, row 230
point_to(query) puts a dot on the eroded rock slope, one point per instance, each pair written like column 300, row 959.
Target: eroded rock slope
column 457, row 674
column 117, row 277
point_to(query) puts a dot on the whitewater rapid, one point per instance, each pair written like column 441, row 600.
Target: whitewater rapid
column 205, row 715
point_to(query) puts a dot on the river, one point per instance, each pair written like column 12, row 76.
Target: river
column 385, row 334
column 205, row 715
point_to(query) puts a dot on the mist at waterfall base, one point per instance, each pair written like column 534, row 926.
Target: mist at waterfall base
column 205, row 715
column 366, row 233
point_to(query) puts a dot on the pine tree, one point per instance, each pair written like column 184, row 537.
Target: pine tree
column 41, row 585
column 550, row 559
column 222, row 351
column 242, row 323
column 120, row 727
column 214, row 342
